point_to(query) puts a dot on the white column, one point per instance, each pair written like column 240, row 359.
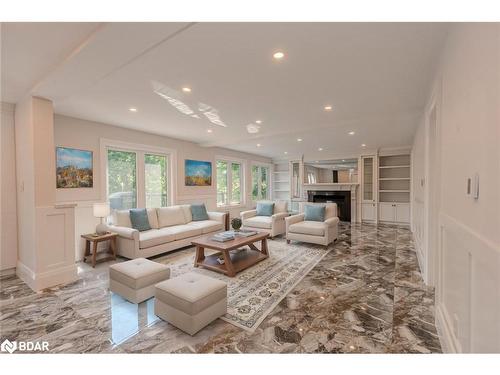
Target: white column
column 46, row 255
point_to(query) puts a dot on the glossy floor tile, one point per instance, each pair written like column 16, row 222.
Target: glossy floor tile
column 365, row 296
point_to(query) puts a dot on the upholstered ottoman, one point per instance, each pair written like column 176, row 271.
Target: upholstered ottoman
column 135, row 279
column 190, row 301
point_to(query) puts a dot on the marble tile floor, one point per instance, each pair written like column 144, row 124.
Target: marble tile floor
column 365, row 296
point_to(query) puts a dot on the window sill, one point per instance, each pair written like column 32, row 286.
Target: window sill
column 228, row 206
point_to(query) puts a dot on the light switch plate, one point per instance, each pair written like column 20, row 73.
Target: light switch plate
column 476, row 186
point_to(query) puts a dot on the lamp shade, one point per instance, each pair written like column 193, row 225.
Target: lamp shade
column 101, row 209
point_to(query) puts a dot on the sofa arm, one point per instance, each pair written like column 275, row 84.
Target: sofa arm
column 217, row 216
column 294, row 219
column 332, row 221
column 125, row 232
column 248, row 214
column 279, row 216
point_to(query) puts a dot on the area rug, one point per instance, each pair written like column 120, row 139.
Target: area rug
column 255, row 292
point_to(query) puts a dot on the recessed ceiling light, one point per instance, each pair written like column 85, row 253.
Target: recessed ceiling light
column 132, row 109
column 363, row 145
column 278, row 55
column 299, row 139
column 286, row 152
column 258, row 121
column 252, row 128
column 351, row 133
column 320, row 149
column 343, row 160
column 328, row 107
column 209, row 131
column 186, row 89
column 258, row 145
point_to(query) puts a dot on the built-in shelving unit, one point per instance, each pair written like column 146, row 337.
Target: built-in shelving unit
column 394, row 188
column 281, row 181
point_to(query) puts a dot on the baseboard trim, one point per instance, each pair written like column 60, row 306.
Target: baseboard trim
column 40, row 281
column 8, row 272
column 449, row 343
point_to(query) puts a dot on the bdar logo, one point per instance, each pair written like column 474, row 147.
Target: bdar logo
column 8, row 346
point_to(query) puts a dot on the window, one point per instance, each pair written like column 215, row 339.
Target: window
column 155, row 173
column 122, row 179
column 229, row 183
column 136, row 178
column 260, row 182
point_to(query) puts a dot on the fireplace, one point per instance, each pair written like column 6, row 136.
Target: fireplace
column 341, row 197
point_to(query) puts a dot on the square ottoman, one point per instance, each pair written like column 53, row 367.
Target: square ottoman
column 190, row 301
column 135, row 279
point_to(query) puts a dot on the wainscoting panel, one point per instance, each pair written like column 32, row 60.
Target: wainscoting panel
column 468, row 293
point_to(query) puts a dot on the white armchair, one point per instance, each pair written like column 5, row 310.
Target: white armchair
column 318, row 232
column 274, row 224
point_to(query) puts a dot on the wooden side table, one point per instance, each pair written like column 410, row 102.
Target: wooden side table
column 94, row 239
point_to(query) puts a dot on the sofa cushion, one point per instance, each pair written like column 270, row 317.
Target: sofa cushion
column 121, row 218
column 183, row 231
column 312, row 228
column 139, row 273
column 314, row 213
column 207, row 226
column 155, row 237
column 152, row 218
column 264, row 222
column 191, row 292
column 265, row 208
column 139, row 219
column 168, row 216
column 199, row 212
column 186, row 208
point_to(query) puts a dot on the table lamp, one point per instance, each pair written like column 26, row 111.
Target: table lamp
column 101, row 210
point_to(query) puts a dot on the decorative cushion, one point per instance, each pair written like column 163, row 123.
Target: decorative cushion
column 138, row 273
column 264, row 222
column 314, row 213
column 152, row 218
column 199, row 212
column 312, row 228
column 168, row 216
column 265, row 208
column 280, row 206
column 191, row 292
column 186, row 208
column 139, row 219
column 121, row 218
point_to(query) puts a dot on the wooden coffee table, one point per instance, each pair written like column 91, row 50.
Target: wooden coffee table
column 233, row 262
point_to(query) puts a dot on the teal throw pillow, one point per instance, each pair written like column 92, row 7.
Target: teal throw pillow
column 199, row 212
column 314, row 213
column 139, row 219
column 265, row 208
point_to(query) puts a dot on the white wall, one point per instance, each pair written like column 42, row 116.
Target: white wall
column 467, row 269
column 8, row 223
column 82, row 134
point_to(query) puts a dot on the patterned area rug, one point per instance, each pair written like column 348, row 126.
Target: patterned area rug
column 254, row 292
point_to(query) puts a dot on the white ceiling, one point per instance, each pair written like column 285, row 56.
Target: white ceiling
column 375, row 75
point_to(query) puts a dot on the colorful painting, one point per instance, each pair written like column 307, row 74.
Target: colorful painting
column 198, row 173
column 74, row 168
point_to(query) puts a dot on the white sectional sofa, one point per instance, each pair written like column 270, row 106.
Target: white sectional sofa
column 172, row 228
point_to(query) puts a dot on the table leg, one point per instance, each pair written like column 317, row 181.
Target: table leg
column 200, row 256
column 94, row 253
column 87, row 248
column 263, row 247
column 228, row 263
column 112, row 246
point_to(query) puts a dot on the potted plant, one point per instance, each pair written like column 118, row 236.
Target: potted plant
column 236, row 224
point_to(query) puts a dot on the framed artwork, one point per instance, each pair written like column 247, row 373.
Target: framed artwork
column 74, row 168
column 198, row 173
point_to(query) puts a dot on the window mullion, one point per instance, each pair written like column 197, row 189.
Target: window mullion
column 141, row 179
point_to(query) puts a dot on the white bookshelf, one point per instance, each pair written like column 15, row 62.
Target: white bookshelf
column 281, row 181
column 394, row 181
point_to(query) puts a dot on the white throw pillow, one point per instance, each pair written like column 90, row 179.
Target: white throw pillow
column 153, row 218
column 121, row 218
column 188, row 216
column 168, row 216
column 280, row 206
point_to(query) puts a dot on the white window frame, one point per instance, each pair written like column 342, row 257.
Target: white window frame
column 269, row 176
column 229, row 180
column 140, row 150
